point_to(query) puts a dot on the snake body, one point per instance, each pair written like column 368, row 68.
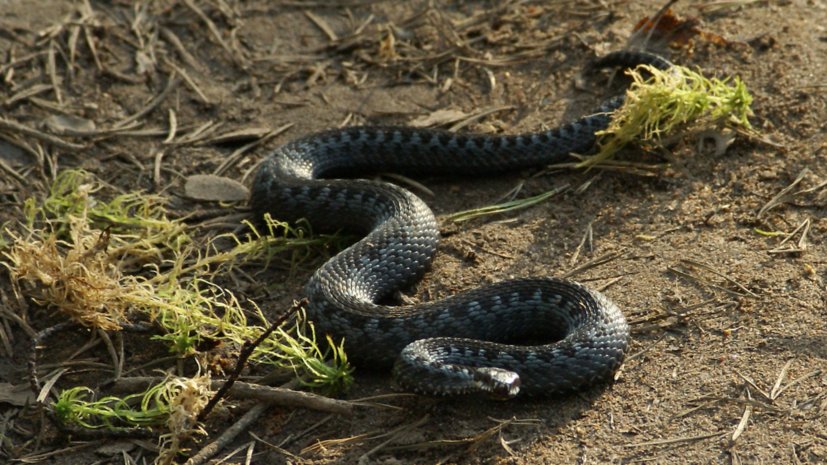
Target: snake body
column 465, row 343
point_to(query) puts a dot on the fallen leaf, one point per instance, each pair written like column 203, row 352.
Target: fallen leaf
column 16, row 395
column 68, row 124
column 675, row 30
column 215, row 188
column 438, row 118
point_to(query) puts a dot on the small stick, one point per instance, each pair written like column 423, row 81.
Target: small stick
column 246, row 351
column 11, row 125
column 206, row 453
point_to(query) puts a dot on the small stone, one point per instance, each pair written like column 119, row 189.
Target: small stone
column 215, row 188
column 115, row 448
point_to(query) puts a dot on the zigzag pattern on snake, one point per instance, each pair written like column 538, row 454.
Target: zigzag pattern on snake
column 468, row 342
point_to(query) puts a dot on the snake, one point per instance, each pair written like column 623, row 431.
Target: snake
column 532, row 336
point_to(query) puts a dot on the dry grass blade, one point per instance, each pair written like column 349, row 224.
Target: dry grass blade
column 707, row 282
column 781, row 197
column 609, row 284
column 321, row 24
column 371, row 401
column 322, row 445
column 27, row 93
column 713, row 271
column 199, row 134
column 643, row 351
column 51, row 69
column 713, row 7
column 618, row 166
column 796, row 381
column 172, row 83
column 478, row 116
column 41, row 456
column 185, row 55
column 775, row 389
column 395, row 434
column 664, row 442
column 47, row 387
column 173, row 127
column 14, row 63
column 410, row 182
column 236, row 155
column 801, row 245
column 752, row 383
column 503, row 207
column 12, row 172
column 587, row 235
column 593, row 263
column 754, row 403
column 743, row 423
column 276, row 448
column 473, row 442
column 239, row 60
column 683, row 312
column 190, row 83
column 812, row 189
column 705, row 405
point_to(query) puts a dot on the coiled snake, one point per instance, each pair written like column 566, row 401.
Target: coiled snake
column 464, row 343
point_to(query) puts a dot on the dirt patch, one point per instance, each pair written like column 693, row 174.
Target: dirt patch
column 709, row 357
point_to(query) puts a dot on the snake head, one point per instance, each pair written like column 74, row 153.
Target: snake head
column 497, row 383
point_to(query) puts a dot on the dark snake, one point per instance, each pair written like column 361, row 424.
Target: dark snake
column 465, row 343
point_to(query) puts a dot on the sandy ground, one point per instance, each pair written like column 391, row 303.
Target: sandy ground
column 728, row 358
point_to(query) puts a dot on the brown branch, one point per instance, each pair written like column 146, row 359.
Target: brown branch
column 14, row 126
column 241, row 390
column 246, row 351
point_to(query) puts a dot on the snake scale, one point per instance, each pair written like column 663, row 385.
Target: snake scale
column 466, row 343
